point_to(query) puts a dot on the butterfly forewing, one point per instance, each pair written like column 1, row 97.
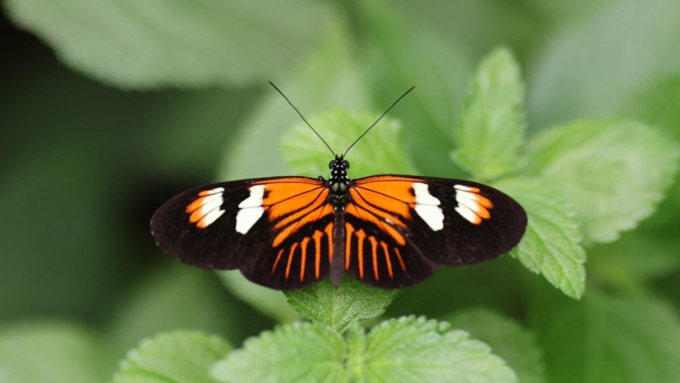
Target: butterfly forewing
column 277, row 231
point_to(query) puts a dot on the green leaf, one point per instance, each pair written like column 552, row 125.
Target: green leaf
column 338, row 307
column 399, row 56
column 550, row 245
column 604, row 338
column 413, row 349
column 181, row 357
column 380, row 151
column 53, row 352
column 161, row 43
column 507, row 339
column 613, row 171
column 582, row 71
column 295, row 352
column 492, row 127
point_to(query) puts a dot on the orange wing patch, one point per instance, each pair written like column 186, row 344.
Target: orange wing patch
column 205, row 209
column 293, row 203
column 471, row 205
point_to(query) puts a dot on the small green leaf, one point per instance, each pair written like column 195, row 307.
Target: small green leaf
column 338, row 307
column 53, row 352
column 604, row 338
column 613, row 171
column 492, row 124
column 507, row 339
column 550, row 245
column 413, row 349
column 160, row 43
column 295, row 352
column 380, row 151
column 181, row 357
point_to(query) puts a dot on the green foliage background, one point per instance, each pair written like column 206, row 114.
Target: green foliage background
column 108, row 109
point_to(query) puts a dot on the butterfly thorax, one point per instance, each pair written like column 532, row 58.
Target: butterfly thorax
column 339, row 182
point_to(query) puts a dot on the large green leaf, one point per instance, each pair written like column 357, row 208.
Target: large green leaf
column 338, row 307
column 400, row 56
column 507, row 339
column 411, row 349
column 180, row 357
column 295, row 352
column 613, row 171
column 492, row 126
column 551, row 244
column 590, row 67
column 604, row 338
column 160, row 43
column 53, row 352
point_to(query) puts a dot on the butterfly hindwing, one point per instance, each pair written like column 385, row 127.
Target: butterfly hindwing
column 431, row 222
column 277, row 231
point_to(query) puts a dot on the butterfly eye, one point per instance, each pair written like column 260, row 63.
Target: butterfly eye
column 331, row 164
column 345, row 164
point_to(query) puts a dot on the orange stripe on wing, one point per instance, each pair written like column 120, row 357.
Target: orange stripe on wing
column 290, row 258
column 387, row 258
column 348, row 245
column 303, row 246
column 374, row 252
column 317, row 250
column 329, row 234
column 360, row 246
column 278, row 258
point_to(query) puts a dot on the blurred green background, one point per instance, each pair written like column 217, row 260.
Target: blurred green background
column 107, row 111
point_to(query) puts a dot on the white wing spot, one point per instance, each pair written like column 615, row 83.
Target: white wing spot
column 469, row 206
column 427, row 207
column 250, row 209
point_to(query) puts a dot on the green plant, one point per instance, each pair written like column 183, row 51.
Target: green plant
column 590, row 154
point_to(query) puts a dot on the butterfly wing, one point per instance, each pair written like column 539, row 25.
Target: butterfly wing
column 404, row 227
column 277, row 231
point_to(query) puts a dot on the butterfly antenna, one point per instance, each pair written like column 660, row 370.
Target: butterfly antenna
column 380, row 118
column 301, row 116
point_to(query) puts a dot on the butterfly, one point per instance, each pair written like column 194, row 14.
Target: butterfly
column 387, row 231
